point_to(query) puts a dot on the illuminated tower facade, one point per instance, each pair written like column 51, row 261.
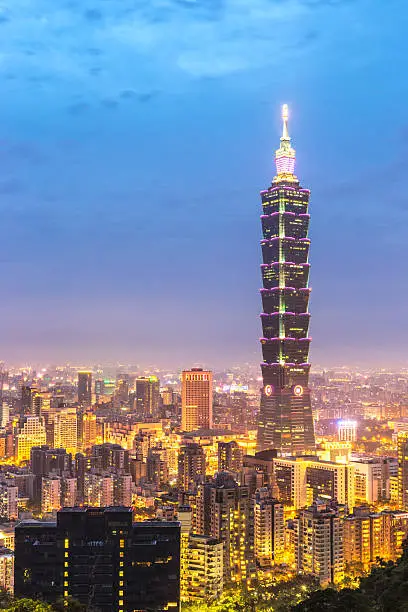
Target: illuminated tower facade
column 285, row 420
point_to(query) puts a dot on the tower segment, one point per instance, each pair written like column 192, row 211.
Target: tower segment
column 285, row 420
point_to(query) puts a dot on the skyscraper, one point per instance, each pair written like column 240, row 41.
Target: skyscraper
column 85, row 388
column 197, row 398
column 147, row 397
column 285, row 420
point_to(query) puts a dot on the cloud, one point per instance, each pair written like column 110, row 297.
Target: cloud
column 163, row 39
column 78, row 108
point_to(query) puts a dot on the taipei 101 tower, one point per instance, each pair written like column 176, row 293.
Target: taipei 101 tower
column 285, row 420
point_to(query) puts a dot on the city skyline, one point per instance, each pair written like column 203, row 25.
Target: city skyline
column 93, row 172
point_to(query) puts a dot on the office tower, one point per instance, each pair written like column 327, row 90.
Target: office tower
column 371, row 479
column 100, row 558
column 50, row 493
column 347, row 431
column 87, row 430
column 6, row 570
column 8, row 502
column 99, row 387
column 31, row 433
column 147, row 397
column 66, row 430
column 27, row 392
column 196, row 399
column 230, row 457
column 157, row 470
column 191, row 466
column 303, row 480
column 4, row 413
column 225, row 511
column 402, row 445
column 40, row 403
column 203, row 578
column 122, row 388
column 285, row 419
column 319, row 545
column 85, row 389
column 107, row 455
column 269, row 528
column 82, row 466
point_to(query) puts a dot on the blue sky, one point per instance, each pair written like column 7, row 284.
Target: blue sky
column 134, row 139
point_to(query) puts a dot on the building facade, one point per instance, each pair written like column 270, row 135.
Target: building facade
column 285, row 420
column 196, row 400
column 102, row 559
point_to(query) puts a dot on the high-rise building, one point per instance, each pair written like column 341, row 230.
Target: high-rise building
column 66, row 430
column 303, row 480
column 147, row 397
column 319, row 545
column 196, row 399
column 102, row 559
column 4, row 413
column 230, row 457
column 225, row 511
column 269, row 525
column 85, row 389
column 202, row 580
column 191, row 466
column 402, row 445
column 31, row 433
column 87, row 430
column 347, row 430
column 6, row 570
column 98, row 489
column 107, row 455
column 27, row 392
column 157, row 470
column 285, row 420
column 8, row 502
column 50, row 494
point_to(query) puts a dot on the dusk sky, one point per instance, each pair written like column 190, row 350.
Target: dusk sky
column 135, row 136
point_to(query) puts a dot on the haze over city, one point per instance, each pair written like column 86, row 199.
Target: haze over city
column 134, row 142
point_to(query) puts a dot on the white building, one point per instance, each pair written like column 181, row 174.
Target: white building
column 8, row 502
column 50, row 494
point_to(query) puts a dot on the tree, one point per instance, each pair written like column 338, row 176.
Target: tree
column 28, row 605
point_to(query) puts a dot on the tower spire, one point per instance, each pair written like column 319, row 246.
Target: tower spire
column 285, row 156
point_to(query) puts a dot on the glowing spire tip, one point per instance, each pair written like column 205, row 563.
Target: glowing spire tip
column 285, row 112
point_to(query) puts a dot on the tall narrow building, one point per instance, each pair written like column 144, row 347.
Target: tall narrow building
column 85, row 389
column 196, row 399
column 285, row 420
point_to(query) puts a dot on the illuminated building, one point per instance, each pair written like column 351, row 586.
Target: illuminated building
column 4, row 413
column 156, row 467
column 184, row 516
column 69, row 492
column 122, row 388
column 100, row 558
column 402, row 445
column 105, row 456
column 50, row 494
column 7, row 536
column 147, row 397
column 87, row 433
column 203, row 578
column 269, row 528
column 45, row 461
column 6, row 570
column 40, row 403
column 31, row 433
column 191, row 466
column 66, row 430
column 8, row 502
column 285, row 420
column 98, row 489
column 225, row 511
column 372, row 479
column 26, row 405
column 85, row 389
column 196, row 399
column 347, row 431
column 230, row 457
column 302, row 480
column 319, row 545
